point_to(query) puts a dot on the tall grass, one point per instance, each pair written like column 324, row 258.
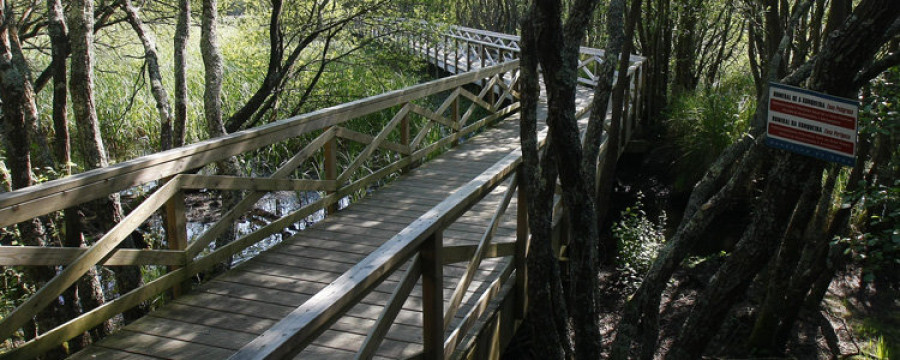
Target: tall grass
column 704, row 122
column 127, row 112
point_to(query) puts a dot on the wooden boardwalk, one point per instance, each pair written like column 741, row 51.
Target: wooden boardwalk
column 322, row 288
column 231, row 310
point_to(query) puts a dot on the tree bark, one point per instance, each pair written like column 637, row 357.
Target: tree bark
column 606, row 177
column 558, row 54
column 212, row 103
column 59, row 42
column 762, row 338
column 841, row 58
column 156, row 86
column 547, row 314
column 689, row 15
column 182, row 34
column 788, row 180
column 108, row 211
column 212, row 65
column 81, row 27
column 18, row 105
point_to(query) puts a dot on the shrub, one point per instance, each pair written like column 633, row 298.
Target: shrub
column 704, row 122
column 639, row 239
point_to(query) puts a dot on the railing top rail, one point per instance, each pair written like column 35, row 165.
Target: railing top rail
column 493, row 45
column 37, row 200
column 487, row 32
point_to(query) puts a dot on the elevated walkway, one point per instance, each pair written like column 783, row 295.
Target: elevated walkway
column 423, row 267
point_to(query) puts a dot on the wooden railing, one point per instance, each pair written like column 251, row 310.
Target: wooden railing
column 420, row 244
column 449, row 46
column 405, row 141
column 458, row 49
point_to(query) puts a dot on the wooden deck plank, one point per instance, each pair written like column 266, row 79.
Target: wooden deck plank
column 98, row 352
column 163, row 347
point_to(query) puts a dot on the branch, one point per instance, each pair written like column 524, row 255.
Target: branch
column 876, row 68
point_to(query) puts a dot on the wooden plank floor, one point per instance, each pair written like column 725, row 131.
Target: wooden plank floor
column 223, row 315
column 232, row 309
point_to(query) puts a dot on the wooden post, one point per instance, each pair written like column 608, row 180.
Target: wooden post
column 468, row 58
column 454, row 115
column 434, row 51
column 404, row 137
column 330, row 166
column 456, row 56
column 626, row 122
column 639, row 101
column 433, row 297
column 483, row 56
column 446, row 43
column 492, row 95
column 176, row 231
column 522, row 246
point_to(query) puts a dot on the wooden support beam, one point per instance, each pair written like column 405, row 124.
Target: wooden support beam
column 330, row 169
column 176, row 232
column 432, row 297
column 523, row 244
column 56, row 256
column 376, row 334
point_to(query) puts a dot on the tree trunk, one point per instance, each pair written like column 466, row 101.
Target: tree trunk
column 689, row 14
column 605, row 179
column 81, row 37
column 791, row 175
column 274, row 72
column 87, row 293
column 841, row 58
column 558, row 54
column 547, row 314
column 108, row 211
column 59, row 43
column 213, row 67
column 18, row 105
column 182, row 33
column 156, row 85
column 212, row 102
column 762, row 339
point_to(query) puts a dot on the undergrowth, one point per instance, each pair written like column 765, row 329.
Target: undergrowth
column 704, row 122
column 639, row 239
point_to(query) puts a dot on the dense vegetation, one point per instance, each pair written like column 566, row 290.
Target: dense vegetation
column 89, row 83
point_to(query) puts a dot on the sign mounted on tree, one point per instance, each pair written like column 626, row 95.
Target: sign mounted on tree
column 812, row 124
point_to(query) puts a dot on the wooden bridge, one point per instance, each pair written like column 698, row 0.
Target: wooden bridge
column 426, row 264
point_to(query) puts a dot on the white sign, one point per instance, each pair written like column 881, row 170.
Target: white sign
column 812, row 124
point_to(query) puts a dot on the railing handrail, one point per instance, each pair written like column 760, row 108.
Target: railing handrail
column 290, row 335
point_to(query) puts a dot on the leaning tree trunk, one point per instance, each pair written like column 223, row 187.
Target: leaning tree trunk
column 841, row 58
column 108, row 211
column 787, row 180
column 156, row 85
